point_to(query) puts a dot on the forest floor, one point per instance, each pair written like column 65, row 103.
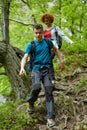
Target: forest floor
column 70, row 98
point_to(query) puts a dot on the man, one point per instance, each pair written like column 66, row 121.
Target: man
column 40, row 72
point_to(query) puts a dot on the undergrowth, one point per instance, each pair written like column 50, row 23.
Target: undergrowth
column 12, row 119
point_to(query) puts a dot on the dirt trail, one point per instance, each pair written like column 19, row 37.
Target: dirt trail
column 70, row 98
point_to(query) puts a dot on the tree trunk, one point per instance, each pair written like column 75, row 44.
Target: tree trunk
column 59, row 9
column 5, row 20
column 20, row 86
column 9, row 58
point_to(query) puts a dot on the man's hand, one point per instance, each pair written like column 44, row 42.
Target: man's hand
column 23, row 62
column 21, row 73
column 62, row 66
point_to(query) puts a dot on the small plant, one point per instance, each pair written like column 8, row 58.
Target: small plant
column 81, row 85
column 12, row 119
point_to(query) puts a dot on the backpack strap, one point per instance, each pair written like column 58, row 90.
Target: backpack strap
column 51, row 51
column 29, row 64
column 48, row 43
column 33, row 48
column 32, row 53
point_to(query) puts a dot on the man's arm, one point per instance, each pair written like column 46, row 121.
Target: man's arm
column 58, row 54
column 23, row 62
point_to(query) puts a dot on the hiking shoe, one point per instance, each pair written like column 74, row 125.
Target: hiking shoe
column 53, row 82
column 51, row 123
column 31, row 108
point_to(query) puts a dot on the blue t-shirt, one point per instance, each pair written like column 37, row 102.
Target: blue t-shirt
column 42, row 54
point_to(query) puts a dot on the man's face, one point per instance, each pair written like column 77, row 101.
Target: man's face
column 38, row 33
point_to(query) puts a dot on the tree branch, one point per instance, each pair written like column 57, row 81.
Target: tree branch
column 21, row 22
column 32, row 16
column 19, row 52
column 26, row 3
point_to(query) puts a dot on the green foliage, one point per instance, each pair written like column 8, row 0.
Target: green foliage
column 14, row 119
column 6, row 116
column 21, row 36
column 81, row 86
column 4, row 84
column 22, row 14
column 73, row 17
column 65, row 104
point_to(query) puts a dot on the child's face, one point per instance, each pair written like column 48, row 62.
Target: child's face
column 38, row 33
column 47, row 21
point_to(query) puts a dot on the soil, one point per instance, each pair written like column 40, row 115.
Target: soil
column 70, row 98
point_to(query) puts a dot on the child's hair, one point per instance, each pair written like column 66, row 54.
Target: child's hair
column 48, row 16
column 38, row 26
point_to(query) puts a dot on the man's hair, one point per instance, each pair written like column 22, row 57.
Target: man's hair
column 38, row 26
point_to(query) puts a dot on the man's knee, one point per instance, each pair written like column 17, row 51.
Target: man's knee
column 37, row 87
column 49, row 87
column 49, row 92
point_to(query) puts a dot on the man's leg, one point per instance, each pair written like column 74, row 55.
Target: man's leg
column 36, row 87
column 51, row 72
column 52, row 75
column 49, row 100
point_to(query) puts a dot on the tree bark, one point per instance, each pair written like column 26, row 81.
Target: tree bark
column 59, row 8
column 10, row 59
column 11, row 63
column 5, row 20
